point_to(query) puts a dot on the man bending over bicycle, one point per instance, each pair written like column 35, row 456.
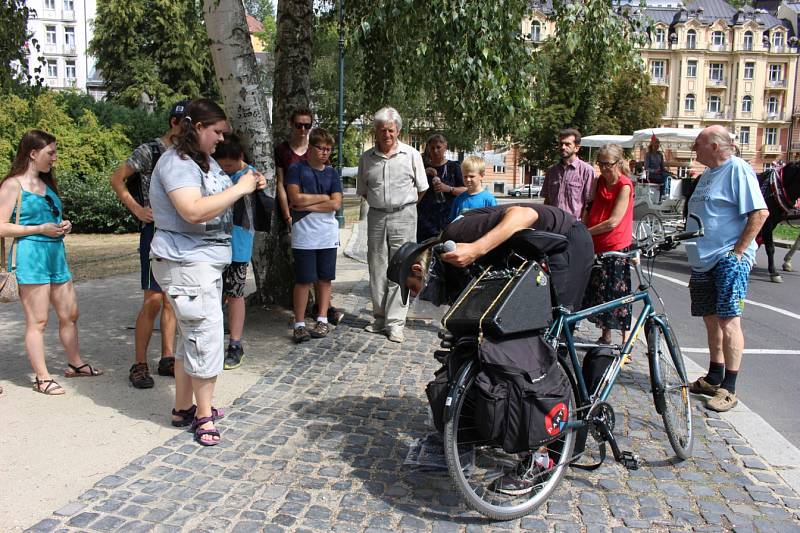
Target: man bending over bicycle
column 481, row 234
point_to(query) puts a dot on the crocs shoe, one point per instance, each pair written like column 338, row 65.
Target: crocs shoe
column 701, row 386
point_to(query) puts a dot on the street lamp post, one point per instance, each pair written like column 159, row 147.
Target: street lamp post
column 340, row 139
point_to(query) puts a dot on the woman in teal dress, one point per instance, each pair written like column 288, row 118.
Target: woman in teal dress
column 42, row 271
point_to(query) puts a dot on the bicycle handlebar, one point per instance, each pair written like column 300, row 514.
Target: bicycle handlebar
column 651, row 245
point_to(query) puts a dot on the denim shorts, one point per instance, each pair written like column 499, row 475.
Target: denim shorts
column 720, row 291
column 314, row 265
column 195, row 292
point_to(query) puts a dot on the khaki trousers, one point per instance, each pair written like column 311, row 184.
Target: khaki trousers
column 386, row 233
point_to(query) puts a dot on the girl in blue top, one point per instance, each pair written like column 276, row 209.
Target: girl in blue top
column 473, row 168
column 42, row 271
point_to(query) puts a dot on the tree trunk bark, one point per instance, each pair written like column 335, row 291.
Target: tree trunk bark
column 247, row 108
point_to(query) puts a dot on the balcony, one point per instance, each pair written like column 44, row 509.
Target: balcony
column 775, row 117
column 658, row 46
column 777, row 84
column 717, row 115
column 658, row 80
column 50, row 48
column 771, row 149
column 718, row 47
column 746, row 147
column 69, row 50
column 783, row 49
column 716, row 83
column 68, row 14
column 796, row 147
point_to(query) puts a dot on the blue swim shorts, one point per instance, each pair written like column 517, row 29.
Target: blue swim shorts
column 720, row 291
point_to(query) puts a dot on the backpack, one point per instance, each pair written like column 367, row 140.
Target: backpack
column 134, row 181
column 522, row 394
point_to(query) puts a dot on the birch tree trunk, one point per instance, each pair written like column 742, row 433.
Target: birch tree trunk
column 247, row 108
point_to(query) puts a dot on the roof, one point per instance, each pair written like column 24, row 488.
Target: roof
column 254, row 25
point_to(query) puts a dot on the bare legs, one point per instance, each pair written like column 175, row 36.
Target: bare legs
column 725, row 340
column 152, row 304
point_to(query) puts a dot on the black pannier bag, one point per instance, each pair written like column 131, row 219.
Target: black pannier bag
column 436, row 391
column 522, row 394
column 594, row 365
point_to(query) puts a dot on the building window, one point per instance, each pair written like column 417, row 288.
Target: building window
column 717, row 38
column 715, row 71
column 416, row 141
column 772, row 105
column 691, row 68
column 657, row 69
column 52, row 69
column 69, row 5
column 499, row 187
column 744, row 135
column 69, row 36
column 771, row 136
column 691, row 39
column 749, row 70
column 688, row 102
column 777, row 39
column 659, row 37
column 713, row 104
column 747, row 42
column 536, row 31
column 50, row 34
column 499, row 169
column 50, row 5
column 69, row 70
column 747, row 104
column 775, row 72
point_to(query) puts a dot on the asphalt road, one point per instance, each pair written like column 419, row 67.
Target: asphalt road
column 770, row 370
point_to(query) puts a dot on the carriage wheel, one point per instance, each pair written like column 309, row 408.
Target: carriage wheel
column 649, row 225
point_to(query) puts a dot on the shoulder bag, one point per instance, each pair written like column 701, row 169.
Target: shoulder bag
column 9, row 291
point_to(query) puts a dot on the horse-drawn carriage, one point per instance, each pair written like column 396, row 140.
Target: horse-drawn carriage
column 658, row 209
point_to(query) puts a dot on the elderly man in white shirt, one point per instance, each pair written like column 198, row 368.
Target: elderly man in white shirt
column 391, row 177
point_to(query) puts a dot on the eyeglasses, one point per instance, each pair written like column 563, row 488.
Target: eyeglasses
column 53, row 207
column 607, row 164
column 302, row 125
column 323, row 149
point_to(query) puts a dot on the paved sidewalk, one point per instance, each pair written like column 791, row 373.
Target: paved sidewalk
column 318, row 443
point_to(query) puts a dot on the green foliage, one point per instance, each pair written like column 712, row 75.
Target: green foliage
column 158, row 47
column 264, row 12
column 88, row 151
column 14, row 21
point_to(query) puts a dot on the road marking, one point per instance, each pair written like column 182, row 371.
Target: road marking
column 750, row 302
column 752, row 351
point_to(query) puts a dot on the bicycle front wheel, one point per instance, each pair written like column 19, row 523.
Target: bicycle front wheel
column 479, row 469
column 670, row 388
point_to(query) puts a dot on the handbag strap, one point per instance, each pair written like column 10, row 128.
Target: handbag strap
column 13, row 242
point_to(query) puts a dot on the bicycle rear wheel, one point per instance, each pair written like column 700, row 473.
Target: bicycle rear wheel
column 477, row 467
column 670, row 388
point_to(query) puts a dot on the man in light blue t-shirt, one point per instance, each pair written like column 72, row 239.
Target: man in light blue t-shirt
column 728, row 201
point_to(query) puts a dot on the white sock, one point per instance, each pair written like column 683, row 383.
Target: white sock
column 299, row 324
column 322, row 319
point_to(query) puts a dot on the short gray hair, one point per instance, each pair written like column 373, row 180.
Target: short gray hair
column 387, row 114
column 722, row 138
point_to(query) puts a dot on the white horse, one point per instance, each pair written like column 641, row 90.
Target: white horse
column 787, row 259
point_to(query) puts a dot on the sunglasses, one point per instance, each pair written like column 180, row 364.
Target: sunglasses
column 302, row 125
column 323, row 149
column 53, row 207
column 607, row 164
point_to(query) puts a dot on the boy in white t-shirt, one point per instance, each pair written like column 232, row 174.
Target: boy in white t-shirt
column 315, row 193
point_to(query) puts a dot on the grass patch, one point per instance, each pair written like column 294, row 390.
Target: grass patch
column 93, row 256
column 786, row 232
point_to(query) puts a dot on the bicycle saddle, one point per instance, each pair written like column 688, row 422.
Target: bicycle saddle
column 537, row 245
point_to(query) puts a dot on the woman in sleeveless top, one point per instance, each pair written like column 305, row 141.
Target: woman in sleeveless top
column 42, row 271
column 610, row 222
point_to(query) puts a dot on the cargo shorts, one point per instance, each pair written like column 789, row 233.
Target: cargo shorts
column 195, row 292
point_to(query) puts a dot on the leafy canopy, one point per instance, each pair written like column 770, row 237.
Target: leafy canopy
column 14, row 74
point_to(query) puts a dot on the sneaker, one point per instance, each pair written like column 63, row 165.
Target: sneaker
column 233, row 357
column 140, row 376
column 335, row 316
column 376, row 326
column 320, row 330
column 723, row 400
column 301, row 334
column 395, row 335
column 701, row 386
column 522, row 481
column 166, row 366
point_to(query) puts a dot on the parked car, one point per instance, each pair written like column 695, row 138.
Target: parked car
column 527, row 190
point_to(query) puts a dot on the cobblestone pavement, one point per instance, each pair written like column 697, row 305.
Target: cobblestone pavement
column 318, row 445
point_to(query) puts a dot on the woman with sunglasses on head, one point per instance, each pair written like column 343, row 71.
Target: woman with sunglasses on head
column 191, row 199
column 610, row 223
column 42, row 272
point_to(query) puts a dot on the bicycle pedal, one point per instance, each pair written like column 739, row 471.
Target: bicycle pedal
column 629, row 460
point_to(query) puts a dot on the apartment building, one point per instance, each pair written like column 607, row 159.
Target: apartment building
column 62, row 29
column 716, row 64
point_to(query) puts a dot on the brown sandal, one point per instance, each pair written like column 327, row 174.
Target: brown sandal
column 78, row 372
column 52, row 388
